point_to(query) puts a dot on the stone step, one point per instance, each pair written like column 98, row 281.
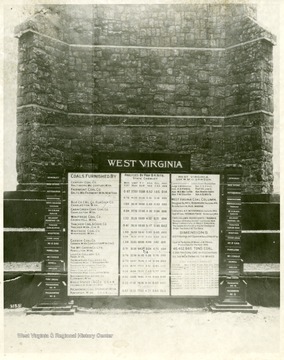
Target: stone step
column 237, row 308
column 233, row 306
column 51, row 308
column 52, row 304
column 51, row 312
column 251, row 311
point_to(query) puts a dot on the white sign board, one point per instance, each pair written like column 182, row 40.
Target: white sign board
column 142, row 234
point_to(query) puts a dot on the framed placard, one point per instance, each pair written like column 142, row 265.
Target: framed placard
column 143, row 234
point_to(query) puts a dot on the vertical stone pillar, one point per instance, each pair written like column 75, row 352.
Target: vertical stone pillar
column 55, row 288
column 233, row 289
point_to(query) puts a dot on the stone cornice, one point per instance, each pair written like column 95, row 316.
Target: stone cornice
column 30, row 30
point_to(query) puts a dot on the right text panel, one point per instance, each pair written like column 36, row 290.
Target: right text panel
column 195, row 234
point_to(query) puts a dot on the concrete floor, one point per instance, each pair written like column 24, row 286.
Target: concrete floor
column 146, row 334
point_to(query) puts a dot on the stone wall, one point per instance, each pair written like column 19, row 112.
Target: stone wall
column 158, row 81
column 148, row 78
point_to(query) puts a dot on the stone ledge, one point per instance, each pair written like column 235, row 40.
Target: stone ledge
column 32, row 27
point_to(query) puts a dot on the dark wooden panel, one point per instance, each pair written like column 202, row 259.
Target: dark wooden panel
column 22, row 290
column 260, row 216
column 268, row 198
column 25, row 289
column 24, row 213
column 261, row 248
column 24, row 194
column 263, row 291
column 23, row 246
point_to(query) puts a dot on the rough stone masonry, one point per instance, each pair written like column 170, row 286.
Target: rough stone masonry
column 180, row 78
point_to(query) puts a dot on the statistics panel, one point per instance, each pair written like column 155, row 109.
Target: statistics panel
column 145, row 234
